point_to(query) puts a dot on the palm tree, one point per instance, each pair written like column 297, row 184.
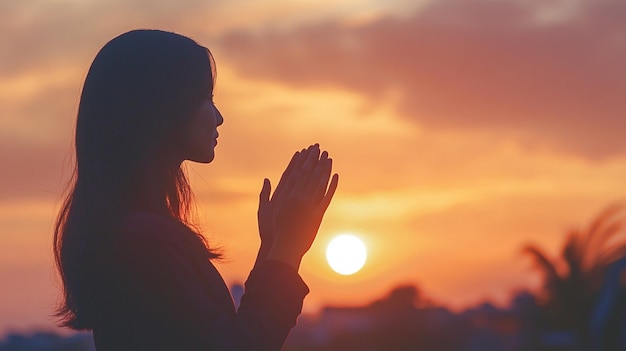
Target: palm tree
column 569, row 295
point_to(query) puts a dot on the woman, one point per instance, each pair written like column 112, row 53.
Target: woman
column 133, row 268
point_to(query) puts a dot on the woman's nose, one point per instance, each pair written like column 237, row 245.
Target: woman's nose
column 220, row 119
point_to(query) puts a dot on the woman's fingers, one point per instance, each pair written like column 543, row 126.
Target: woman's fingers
column 286, row 174
column 329, row 193
column 264, row 196
column 295, row 174
column 311, row 161
column 306, row 170
column 265, row 213
column 319, row 181
column 306, row 179
column 306, row 153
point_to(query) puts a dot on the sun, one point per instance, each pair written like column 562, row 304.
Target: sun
column 346, row 254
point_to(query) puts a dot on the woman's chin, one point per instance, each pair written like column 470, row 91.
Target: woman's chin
column 207, row 158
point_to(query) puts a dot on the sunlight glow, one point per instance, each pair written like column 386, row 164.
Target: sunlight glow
column 346, row 254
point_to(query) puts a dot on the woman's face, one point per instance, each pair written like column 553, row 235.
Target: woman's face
column 201, row 134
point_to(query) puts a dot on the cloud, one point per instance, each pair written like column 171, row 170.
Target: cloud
column 33, row 171
column 545, row 73
column 52, row 34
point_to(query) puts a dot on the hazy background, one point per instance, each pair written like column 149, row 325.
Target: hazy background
column 462, row 130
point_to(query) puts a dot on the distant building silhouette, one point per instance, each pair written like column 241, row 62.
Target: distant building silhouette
column 237, row 290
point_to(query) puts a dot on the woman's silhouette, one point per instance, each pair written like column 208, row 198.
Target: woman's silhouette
column 133, row 269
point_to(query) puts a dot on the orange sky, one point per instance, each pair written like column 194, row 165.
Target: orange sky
column 462, row 130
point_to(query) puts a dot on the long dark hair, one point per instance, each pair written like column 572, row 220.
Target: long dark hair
column 140, row 91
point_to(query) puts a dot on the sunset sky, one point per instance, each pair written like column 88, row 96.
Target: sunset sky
column 461, row 129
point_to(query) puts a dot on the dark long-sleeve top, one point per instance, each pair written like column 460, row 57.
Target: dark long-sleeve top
column 163, row 293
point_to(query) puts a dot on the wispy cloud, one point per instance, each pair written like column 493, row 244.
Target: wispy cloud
column 550, row 74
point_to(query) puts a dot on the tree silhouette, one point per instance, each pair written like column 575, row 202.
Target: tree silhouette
column 572, row 284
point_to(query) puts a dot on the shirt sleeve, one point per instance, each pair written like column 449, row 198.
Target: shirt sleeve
column 165, row 300
column 273, row 297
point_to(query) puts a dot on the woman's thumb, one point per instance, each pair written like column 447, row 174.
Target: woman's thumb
column 264, row 196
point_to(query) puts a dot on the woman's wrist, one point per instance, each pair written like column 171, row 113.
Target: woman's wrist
column 285, row 255
column 262, row 254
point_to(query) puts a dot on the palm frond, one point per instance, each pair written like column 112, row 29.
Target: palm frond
column 600, row 232
column 551, row 274
column 572, row 252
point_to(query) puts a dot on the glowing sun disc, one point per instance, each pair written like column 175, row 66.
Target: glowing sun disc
column 346, row 254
